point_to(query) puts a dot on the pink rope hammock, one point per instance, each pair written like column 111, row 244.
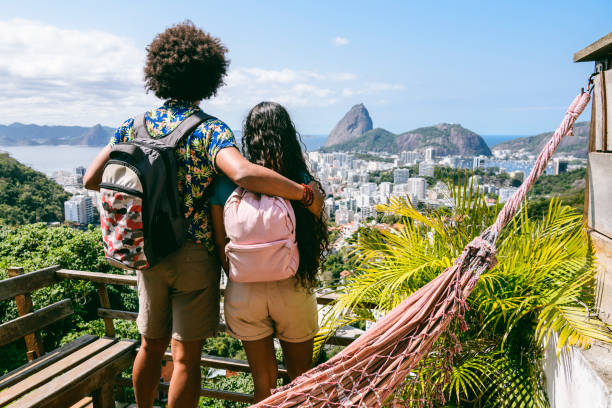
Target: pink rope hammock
column 368, row 371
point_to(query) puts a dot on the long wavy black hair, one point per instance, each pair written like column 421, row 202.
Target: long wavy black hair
column 269, row 139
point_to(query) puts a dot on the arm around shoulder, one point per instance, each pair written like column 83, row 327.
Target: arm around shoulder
column 254, row 177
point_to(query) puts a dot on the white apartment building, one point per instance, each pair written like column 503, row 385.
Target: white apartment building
column 344, row 216
column 505, row 193
column 426, row 169
column 417, row 188
column 368, row 188
column 479, row 162
column 408, row 157
column 79, row 209
column 386, row 188
column 429, row 154
column 401, row 176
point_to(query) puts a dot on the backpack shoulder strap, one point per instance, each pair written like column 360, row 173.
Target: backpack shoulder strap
column 140, row 128
column 187, row 126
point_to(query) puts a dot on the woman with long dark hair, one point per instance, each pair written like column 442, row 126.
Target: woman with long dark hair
column 255, row 312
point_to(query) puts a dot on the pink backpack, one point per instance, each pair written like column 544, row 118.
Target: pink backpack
column 261, row 230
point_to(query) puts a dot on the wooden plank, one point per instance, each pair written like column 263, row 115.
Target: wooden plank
column 98, row 277
column 606, row 142
column 51, row 357
column 36, row 320
column 45, row 375
column 218, row 394
column 71, row 386
column 105, row 303
column 11, row 287
column 86, row 402
column 117, row 314
column 225, row 363
column 599, row 109
column 24, row 305
column 603, row 252
column 596, row 50
column 600, row 190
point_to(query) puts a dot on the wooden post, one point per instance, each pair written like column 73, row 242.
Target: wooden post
column 24, row 304
column 105, row 303
column 104, row 397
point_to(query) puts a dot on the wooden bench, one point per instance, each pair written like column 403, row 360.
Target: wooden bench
column 61, row 378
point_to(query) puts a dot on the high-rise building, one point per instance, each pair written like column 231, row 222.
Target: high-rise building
column 478, row 162
column 386, row 188
column 559, row 166
column 408, row 157
column 505, row 193
column 429, row 153
column 79, row 209
column 417, row 188
column 426, row 169
column 401, row 176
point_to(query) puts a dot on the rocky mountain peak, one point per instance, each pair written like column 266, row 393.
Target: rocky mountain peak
column 354, row 124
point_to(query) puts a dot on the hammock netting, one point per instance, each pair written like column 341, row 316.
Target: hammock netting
column 370, row 371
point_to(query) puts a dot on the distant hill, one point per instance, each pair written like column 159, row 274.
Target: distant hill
column 576, row 145
column 353, row 125
column 19, row 134
column 27, row 196
column 444, row 138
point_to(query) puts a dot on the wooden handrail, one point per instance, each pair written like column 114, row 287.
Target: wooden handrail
column 131, row 280
column 336, row 340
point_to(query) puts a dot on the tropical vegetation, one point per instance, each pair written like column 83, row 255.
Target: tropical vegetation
column 539, row 293
column 28, row 196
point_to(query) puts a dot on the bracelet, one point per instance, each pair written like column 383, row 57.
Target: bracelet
column 307, row 196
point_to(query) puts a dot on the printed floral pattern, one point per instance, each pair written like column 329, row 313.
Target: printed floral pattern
column 196, row 157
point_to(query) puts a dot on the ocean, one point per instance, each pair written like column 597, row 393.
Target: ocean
column 49, row 159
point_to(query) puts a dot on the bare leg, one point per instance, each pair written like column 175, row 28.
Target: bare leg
column 186, row 378
column 147, row 370
column 298, row 357
column 264, row 369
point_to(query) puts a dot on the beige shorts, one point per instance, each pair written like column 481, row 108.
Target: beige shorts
column 254, row 311
column 179, row 297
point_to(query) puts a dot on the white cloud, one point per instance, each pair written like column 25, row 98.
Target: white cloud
column 54, row 75
column 340, row 41
column 51, row 75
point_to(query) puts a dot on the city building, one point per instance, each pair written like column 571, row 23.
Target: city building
column 401, row 176
column 478, row 162
column 559, row 166
column 79, row 209
column 408, row 158
column 426, row 169
column 417, row 188
column 505, row 193
column 343, row 216
column 429, row 154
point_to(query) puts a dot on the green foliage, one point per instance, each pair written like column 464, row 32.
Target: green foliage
column 542, row 284
column 371, row 157
column 27, row 196
column 36, row 246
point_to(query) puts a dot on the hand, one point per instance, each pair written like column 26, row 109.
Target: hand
column 319, row 199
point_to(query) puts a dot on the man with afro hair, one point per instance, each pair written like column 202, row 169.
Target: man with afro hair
column 179, row 297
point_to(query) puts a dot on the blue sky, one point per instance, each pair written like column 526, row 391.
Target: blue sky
column 496, row 67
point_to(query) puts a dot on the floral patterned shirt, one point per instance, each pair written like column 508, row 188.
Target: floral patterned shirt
column 195, row 158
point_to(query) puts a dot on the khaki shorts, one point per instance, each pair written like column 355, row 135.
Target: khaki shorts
column 254, row 311
column 179, row 297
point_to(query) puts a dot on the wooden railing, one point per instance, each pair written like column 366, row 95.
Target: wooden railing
column 108, row 315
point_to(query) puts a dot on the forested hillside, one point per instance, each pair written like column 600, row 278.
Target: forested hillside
column 27, row 196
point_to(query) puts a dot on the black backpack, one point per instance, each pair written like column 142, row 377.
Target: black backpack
column 142, row 216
